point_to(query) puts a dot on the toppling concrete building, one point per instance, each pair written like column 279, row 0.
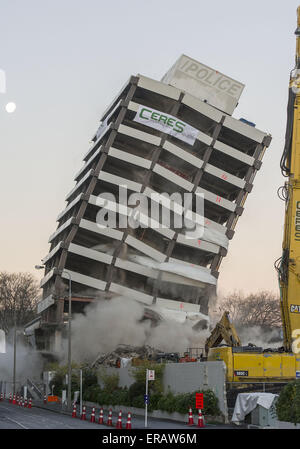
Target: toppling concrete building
column 157, row 138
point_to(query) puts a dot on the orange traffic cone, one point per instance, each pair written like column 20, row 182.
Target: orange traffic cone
column 14, row 399
column 30, row 403
column 83, row 416
column 1, row 398
column 200, row 419
column 101, row 416
column 74, row 411
column 25, row 405
column 109, row 420
column 191, row 419
column 119, row 422
column 10, row 400
column 128, row 424
column 93, row 415
column 45, row 399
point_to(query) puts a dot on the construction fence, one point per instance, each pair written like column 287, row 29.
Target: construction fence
column 183, row 378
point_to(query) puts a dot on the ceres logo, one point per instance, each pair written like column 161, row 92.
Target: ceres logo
column 167, row 120
column 11, row 106
column 166, row 123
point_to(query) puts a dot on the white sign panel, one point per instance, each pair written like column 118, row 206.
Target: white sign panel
column 2, row 342
column 64, row 397
column 205, row 83
column 166, row 123
column 151, row 374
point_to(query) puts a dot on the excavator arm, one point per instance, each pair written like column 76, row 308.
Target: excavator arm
column 224, row 330
column 288, row 266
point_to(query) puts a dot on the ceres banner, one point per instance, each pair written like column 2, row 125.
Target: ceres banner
column 166, row 123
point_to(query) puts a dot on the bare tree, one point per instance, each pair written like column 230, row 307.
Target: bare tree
column 18, row 299
column 256, row 309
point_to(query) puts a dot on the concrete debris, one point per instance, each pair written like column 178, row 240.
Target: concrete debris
column 126, row 352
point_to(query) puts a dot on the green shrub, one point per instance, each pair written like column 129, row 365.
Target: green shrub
column 167, row 403
column 90, row 386
column 105, row 398
column 211, row 403
column 153, row 403
column 138, row 402
column 110, row 381
column 139, row 374
column 91, row 393
column 120, row 397
column 136, row 389
column 288, row 404
column 89, row 378
column 182, row 402
column 59, row 382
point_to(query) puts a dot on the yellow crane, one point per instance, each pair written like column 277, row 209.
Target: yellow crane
column 288, row 266
column 251, row 364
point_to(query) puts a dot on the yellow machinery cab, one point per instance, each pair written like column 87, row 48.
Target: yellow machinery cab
column 251, row 364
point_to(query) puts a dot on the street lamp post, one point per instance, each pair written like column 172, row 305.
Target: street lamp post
column 15, row 351
column 69, row 342
column 69, row 399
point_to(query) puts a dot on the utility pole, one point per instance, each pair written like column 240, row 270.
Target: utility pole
column 69, row 399
column 80, row 392
column 15, row 351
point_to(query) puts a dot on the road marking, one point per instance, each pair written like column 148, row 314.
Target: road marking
column 16, row 422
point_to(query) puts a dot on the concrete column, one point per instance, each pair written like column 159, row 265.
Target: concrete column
column 57, row 341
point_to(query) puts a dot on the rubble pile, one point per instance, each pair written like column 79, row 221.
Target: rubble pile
column 126, row 352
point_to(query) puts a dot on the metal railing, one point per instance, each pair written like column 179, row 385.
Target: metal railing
column 34, row 387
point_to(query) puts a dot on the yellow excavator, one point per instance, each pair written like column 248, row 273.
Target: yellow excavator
column 249, row 363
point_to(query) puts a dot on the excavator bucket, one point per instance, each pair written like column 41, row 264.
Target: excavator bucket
column 224, row 330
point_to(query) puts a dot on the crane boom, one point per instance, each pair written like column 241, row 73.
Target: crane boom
column 288, row 266
column 254, row 364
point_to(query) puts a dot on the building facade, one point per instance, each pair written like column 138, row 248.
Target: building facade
column 157, row 146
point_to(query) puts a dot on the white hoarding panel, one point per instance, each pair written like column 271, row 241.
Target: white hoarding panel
column 2, row 342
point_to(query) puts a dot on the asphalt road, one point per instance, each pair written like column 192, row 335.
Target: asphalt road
column 15, row 417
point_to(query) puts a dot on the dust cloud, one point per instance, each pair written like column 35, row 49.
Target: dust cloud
column 109, row 323
column 260, row 336
column 29, row 364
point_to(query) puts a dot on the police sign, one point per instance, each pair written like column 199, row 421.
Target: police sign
column 205, row 83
